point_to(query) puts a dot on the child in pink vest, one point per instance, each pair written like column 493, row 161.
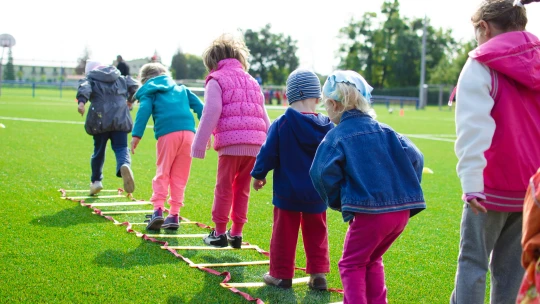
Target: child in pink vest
column 498, row 149
column 234, row 113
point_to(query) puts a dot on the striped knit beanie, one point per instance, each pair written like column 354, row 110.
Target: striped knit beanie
column 303, row 84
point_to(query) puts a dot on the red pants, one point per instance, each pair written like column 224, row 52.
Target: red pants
column 232, row 191
column 285, row 238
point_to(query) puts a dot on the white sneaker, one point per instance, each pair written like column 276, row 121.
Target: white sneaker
column 127, row 177
column 95, row 187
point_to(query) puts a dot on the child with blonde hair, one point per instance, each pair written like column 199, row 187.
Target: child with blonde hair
column 234, row 113
column 498, row 127
column 169, row 105
column 371, row 174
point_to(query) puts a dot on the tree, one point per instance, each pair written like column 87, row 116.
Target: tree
column 195, row 67
column 179, row 65
column 9, row 72
column 81, row 61
column 388, row 53
column 273, row 55
column 449, row 68
column 20, row 73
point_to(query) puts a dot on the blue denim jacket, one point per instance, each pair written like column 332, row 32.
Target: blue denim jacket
column 363, row 166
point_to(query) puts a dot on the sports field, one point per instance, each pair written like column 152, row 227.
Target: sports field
column 55, row 250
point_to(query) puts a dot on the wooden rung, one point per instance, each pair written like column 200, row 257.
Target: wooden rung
column 95, row 196
column 207, row 247
column 172, row 235
column 120, row 204
column 127, row 212
column 209, row 265
column 89, row 190
column 145, row 224
column 261, row 284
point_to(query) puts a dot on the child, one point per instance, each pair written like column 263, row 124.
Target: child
column 498, row 127
column 372, row 175
column 296, row 203
column 234, row 113
column 108, row 119
column 174, row 128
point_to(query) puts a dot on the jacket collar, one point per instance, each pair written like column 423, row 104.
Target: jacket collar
column 354, row 113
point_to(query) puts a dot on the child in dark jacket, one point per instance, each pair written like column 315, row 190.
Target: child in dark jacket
column 372, row 175
column 110, row 95
column 289, row 150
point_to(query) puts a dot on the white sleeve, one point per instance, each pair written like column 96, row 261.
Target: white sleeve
column 474, row 124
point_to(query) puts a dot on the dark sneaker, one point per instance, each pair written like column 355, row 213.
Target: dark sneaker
column 216, row 241
column 281, row 283
column 234, row 241
column 156, row 220
column 127, row 177
column 317, row 281
column 171, row 222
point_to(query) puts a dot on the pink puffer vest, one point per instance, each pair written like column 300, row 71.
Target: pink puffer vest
column 241, row 121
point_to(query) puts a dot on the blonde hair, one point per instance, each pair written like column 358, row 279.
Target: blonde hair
column 226, row 46
column 151, row 70
column 502, row 14
column 351, row 98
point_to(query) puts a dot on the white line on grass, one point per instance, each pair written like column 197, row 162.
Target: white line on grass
column 50, row 121
column 423, row 136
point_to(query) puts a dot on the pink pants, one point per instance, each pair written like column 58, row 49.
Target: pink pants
column 173, row 165
column 285, row 238
column 361, row 266
column 232, row 192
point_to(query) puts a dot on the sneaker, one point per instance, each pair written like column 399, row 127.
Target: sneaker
column 234, row 241
column 281, row 283
column 127, row 176
column 95, row 187
column 317, row 281
column 216, row 241
column 156, row 220
column 171, row 222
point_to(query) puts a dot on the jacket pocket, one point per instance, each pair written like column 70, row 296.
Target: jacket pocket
column 94, row 119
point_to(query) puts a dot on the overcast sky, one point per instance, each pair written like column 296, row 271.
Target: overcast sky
column 57, row 30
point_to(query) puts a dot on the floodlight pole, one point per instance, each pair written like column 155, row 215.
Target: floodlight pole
column 421, row 95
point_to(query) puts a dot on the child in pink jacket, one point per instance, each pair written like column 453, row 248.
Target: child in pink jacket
column 498, row 149
column 234, row 113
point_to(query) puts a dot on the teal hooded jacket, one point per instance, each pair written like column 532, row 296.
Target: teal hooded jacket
column 169, row 105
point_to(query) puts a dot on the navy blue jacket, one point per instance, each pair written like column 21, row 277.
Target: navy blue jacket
column 289, row 150
column 363, row 166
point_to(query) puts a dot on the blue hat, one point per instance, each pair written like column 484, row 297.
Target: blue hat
column 303, row 84
column 350, row 77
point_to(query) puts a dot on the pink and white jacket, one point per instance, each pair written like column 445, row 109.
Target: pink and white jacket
column 498, row 120
column 234, row 113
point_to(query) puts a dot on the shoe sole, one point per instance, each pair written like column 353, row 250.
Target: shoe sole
column 155, row 224
column 321, row 288
column 212, row 245
column 170, row 226
column 127, row 176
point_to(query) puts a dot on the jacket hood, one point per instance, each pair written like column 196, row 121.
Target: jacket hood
column 309, row 130
column 160, row 83
column 105, row 74
column 514, row 54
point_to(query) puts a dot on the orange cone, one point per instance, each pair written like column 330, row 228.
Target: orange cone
column 402, row 112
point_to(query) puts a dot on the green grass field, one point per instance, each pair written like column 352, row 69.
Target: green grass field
column 55, row 250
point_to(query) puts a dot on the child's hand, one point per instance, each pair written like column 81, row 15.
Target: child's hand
column 130, row 105
column 134, row 142
column 476, row 206
column 80, row 109
column 209, row 144
column 258, row 184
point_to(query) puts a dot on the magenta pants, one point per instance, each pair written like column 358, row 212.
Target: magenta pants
column 231, row 194
column 173, row 165
column 285, row 238
column 361, row 266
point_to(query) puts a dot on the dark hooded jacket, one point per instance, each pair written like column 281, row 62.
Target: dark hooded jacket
column 108, row 93
column 289, row 150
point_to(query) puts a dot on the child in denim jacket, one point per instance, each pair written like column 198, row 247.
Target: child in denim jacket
column 371, row 174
